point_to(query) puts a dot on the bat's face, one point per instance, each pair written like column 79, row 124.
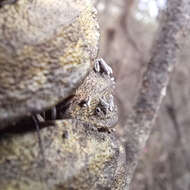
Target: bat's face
column 93, row 101
column 100, row 110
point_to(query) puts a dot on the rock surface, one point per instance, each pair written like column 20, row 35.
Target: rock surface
column 46, row 51
column 46, row 48
column 77, row 156
column 81, row 153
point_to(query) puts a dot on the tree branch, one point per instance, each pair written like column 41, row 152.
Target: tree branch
column 155, row 81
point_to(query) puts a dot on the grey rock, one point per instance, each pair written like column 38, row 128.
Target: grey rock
column 46, row 48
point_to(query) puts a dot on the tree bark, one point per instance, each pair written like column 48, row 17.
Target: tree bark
column 155, row 80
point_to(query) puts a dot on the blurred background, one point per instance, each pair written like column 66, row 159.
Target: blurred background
column 128, row 28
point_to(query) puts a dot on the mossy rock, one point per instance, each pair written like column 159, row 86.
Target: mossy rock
column 77, row 156
column 46, row 48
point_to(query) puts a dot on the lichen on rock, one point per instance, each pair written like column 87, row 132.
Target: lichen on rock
column 46, row 48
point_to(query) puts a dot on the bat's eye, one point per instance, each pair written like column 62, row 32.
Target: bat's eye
column 98, row 110
column 83, row 103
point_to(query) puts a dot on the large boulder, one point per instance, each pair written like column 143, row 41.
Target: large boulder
column 46, row 48
column 76, row 156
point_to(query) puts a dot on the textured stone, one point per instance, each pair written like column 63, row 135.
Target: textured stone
column 77, row 156
column 46, row 48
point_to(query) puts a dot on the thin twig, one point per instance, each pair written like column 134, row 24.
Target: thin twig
column 37, row 125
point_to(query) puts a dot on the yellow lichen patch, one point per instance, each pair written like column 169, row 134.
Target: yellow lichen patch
column 45, row 51
column 99, row 152
column 80, row 46
column 10, row 149
column 73, row 57
column 76, row 156
column 104, row 153
column 22, row 185
column 86, row 20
